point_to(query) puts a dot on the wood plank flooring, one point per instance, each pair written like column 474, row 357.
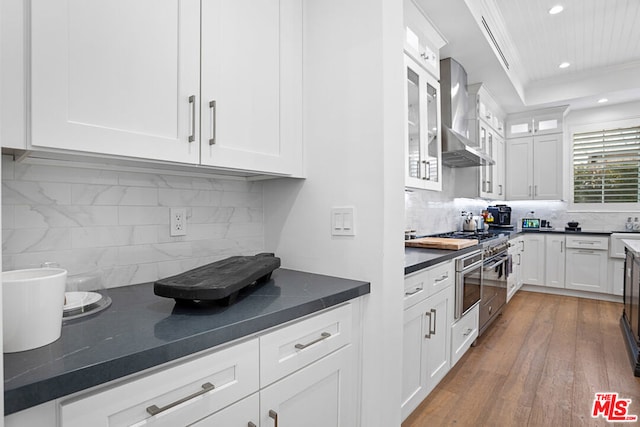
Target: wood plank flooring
column 539, row 364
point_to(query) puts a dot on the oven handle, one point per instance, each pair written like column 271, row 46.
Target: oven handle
column 502, row 260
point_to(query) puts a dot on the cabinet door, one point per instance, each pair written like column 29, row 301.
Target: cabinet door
column 240, row 414
column 116, row 77
column 440, row 314
column 547, row 167
column 499, row 189
column 519, row 169
column 251, row 85
column 555, row 261
column 413, row 363
column 587, row 270
column 319, row 395
column 519, row 127
column 533, row 260
column 616, row 276
column 423, row 149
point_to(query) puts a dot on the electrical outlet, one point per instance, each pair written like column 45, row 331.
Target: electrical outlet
column 178, row 222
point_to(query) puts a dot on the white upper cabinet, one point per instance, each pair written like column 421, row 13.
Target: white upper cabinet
column 540, row 122
column 423, row 139
column 252, row 85
column 486, row 129
column 534, row 154
column 423, row 147
column 210, row 82
column 116, row 77
column 422, row 41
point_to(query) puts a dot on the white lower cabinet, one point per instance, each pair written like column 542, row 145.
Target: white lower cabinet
column 463, row 333
column 241, row 414
column 316, row 396
column 555, row 261
column 587, row 263
column 587, row 270
column 426, row 349
column 533, row 259
column 301, row 374
column 616, row 276
column 179, row 395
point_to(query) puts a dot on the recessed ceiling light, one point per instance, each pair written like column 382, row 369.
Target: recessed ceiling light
column 556, row 9
column 564, row 65
column 602, row 100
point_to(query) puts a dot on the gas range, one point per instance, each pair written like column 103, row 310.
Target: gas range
column 492, row 242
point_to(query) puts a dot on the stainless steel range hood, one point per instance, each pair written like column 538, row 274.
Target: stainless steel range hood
column 458, row 151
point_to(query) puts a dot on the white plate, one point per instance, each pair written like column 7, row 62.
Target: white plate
column 75, row 300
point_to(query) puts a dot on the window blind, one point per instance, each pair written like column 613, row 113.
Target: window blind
column 606, row 166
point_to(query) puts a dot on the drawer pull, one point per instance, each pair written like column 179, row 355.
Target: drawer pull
column 413, row 292
column 273, row 415
column 445, row 276
column 468, row 332
column 154, row 410
column 323, row 336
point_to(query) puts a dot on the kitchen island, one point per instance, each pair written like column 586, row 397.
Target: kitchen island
column 141, row 330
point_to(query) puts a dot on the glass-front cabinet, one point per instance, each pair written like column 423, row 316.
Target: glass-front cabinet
column 423, row 168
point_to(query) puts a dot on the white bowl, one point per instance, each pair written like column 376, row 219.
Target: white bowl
column 32, row 302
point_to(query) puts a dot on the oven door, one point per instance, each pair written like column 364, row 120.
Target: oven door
column 494, row 288
column 468, row 286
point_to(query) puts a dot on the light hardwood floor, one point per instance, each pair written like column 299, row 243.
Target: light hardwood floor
column 539, row 364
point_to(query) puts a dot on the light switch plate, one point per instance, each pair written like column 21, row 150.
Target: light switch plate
column 343, row 221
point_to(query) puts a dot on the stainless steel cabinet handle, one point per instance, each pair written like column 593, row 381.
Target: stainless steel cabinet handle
column 212, row 108
column 154, row 410
column 433, row 310
column 323, row 336
column 582, row 251
column 428, row 334
column 413, row 292
column 427, row 171
column 500, row 187
column 445, row 276
column 529, row 191
column 519, row 259
column 192, row 105
column 535, row 191
column 273, row 415
column 584, row 242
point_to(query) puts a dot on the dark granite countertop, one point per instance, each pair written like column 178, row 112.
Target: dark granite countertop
column 416, row 259
column 141, row 330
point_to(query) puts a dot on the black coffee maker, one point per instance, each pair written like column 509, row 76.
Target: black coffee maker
column 501, row 216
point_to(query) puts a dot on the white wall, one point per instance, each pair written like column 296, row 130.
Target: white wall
column 353, row 134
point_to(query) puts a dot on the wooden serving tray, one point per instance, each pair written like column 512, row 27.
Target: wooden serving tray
column 441, row 243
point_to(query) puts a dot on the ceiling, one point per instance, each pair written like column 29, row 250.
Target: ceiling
column 600, row 39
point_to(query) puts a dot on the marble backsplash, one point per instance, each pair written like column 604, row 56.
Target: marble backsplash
column 112, row 227
column 430, row 212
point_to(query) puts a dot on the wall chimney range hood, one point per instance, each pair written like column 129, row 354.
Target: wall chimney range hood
column 458, row 151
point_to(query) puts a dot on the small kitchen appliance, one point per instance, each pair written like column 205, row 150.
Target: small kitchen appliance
column 573, row 226
column 501, row 216
column 530, row 224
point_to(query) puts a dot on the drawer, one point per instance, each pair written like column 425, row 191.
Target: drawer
column 427, row 282
column 290, row 348
column 233, row 373
column 587, row 242
column 463, row 333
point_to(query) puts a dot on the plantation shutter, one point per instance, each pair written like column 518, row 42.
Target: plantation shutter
column 606, row 165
